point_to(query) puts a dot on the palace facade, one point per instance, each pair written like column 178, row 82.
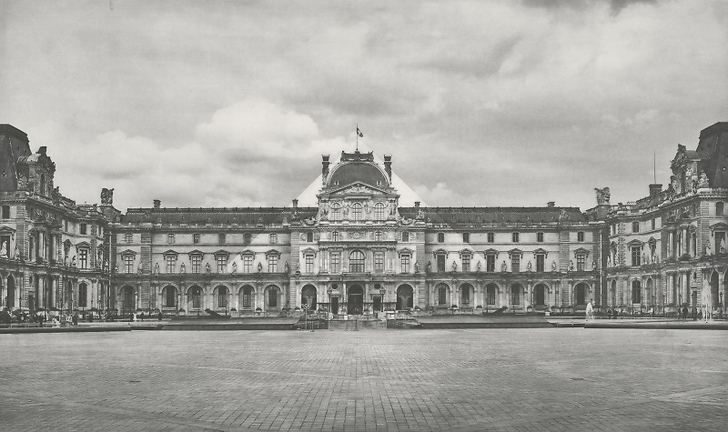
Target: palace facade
column 359, row 251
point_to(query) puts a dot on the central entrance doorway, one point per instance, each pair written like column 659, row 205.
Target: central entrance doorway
column 355, row 305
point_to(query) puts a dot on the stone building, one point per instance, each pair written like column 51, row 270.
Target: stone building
column 358, row 250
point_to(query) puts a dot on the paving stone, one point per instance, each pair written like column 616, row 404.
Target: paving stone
column 469, row 380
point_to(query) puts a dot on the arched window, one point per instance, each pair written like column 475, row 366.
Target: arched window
column 247, row 297
column 516, row 294
column 196, row 297
column 379, row 211
column 636, row 292
column 356, row 262
column 442, row 294
column 405, row 236
column 335, row 236
column 490, row 293
column 356, row 212
column 378, row 235
column 335, row 214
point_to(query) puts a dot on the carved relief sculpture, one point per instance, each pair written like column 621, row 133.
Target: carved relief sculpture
column 603, row 195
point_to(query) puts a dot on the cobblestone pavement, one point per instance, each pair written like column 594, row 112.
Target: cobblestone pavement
column 506, row 379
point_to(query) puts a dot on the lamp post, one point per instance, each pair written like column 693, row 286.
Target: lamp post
column 721, row 304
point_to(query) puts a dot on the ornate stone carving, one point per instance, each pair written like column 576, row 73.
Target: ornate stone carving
column 603, row 195
column 107, row 196
column 703, row 180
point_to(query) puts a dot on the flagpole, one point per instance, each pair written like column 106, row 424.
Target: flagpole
column 357, row 137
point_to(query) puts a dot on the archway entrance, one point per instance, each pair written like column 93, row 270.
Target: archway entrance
column 308, row 297
column 404, row 297
column 10, row 302
column 539, row 295
column 580, row 293
column 355, row 306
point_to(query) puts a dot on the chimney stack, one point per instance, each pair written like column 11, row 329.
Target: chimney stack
column 157, row 204
column 655, row 190
column 551, row 204
column 388, row 166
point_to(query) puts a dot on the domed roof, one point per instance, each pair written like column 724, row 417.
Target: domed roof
column 356, row 171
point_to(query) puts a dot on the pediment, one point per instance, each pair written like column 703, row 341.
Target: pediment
column 273, row 252
column 440, row 251
column 83, row 245
column 196, row 252
column 491, row 251
column 6, row 229
column 358, row 189
column 541, row 251
column 169, row 252
column 584, row 251
column 127, row 252
column 406, row 251
column 719, row 226
column 247, row 252
column 221, row 252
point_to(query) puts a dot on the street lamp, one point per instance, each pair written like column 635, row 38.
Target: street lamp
column 721, row 304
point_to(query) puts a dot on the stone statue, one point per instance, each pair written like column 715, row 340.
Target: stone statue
column 140, row 270
column 234, row 268
column 571, row 265
column 703, row 180
column 603, row 195
column 286, row 269
column 73, row 261
column 479, row 267
column 428, row 269
column 609, row 260
column 182, row 268
column 553, row 266
column 708, row 249
column 594, row 265
column 4, row 250
column 529, row 266
column 107, row 196
column 260, row 267
column 454, row 266
column 417, row 267
column 504, row 266
column 156, row 268
column 207, row 268
column 644, row 258
column 722, row 246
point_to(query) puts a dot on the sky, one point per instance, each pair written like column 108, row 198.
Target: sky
column 480, row 103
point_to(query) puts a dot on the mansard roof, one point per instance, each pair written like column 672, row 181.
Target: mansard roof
column 494, row 215
column 244, row 216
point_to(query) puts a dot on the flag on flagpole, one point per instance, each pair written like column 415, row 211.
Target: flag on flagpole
column 358, row 132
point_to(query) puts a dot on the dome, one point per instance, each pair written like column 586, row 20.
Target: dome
column 351, row 172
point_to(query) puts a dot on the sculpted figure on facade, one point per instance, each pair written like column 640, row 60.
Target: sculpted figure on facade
column 478, row 267
column 207, row 268
column 708, row 249
column 260, row 267
column 428, row 269
column 107, row 196
column 571, row 265
column 182, row 268
column 156, row 268
column 703, row 180
column 529, row 267
column 504, row 266
column 234, row 268
column 603, row 195
column 553, row 266
column 3, row 251
column 454, row 266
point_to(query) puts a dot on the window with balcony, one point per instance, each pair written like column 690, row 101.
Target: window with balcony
column 308, row 260
column 490, row 263
column 171, row 261
column 128, row 264
column 636, row 255
column 466, row 262
column 515, row 263
column 83, row 258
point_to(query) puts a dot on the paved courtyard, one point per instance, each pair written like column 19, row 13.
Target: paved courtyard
column 485, row 379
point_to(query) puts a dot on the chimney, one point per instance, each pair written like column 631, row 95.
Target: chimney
column 417, row 205
column 295, row 205
column 325, row 165
column 157, row 204
column 551, row 204
column 655, row 190
column 388, row 166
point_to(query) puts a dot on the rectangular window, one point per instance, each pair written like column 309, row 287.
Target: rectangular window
column 466, row 237
column 636, row 255
column 442, row 296
column 272, row 263
column 221, row 238
column 128, row 264
column 635, row 227
column 490, row 263
column 405, row 261
column 247, row 298
column 170, row 238
column 196, row 263
column 405, row 236
column 491, row 237
column 195, row 238
column 335, row 261
column 309, row 237
column 441, row 263
column 540, row 259
column 441, row 237
column 273, row 238
column 539, row 237
column 83, row 258
column 653, row 224
column 490, row 296
column 718, row 209
column 170, row 259
column 581, row 262
column 6, row 212
column 516, row 238
column 309, row 263
column 378, row 262
column 580, row 236
column 128, row 238
column 247, row 263
column 466, row 263
column 515, row 263
column 84, row 228
column 221, row 263
column 222, row 298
